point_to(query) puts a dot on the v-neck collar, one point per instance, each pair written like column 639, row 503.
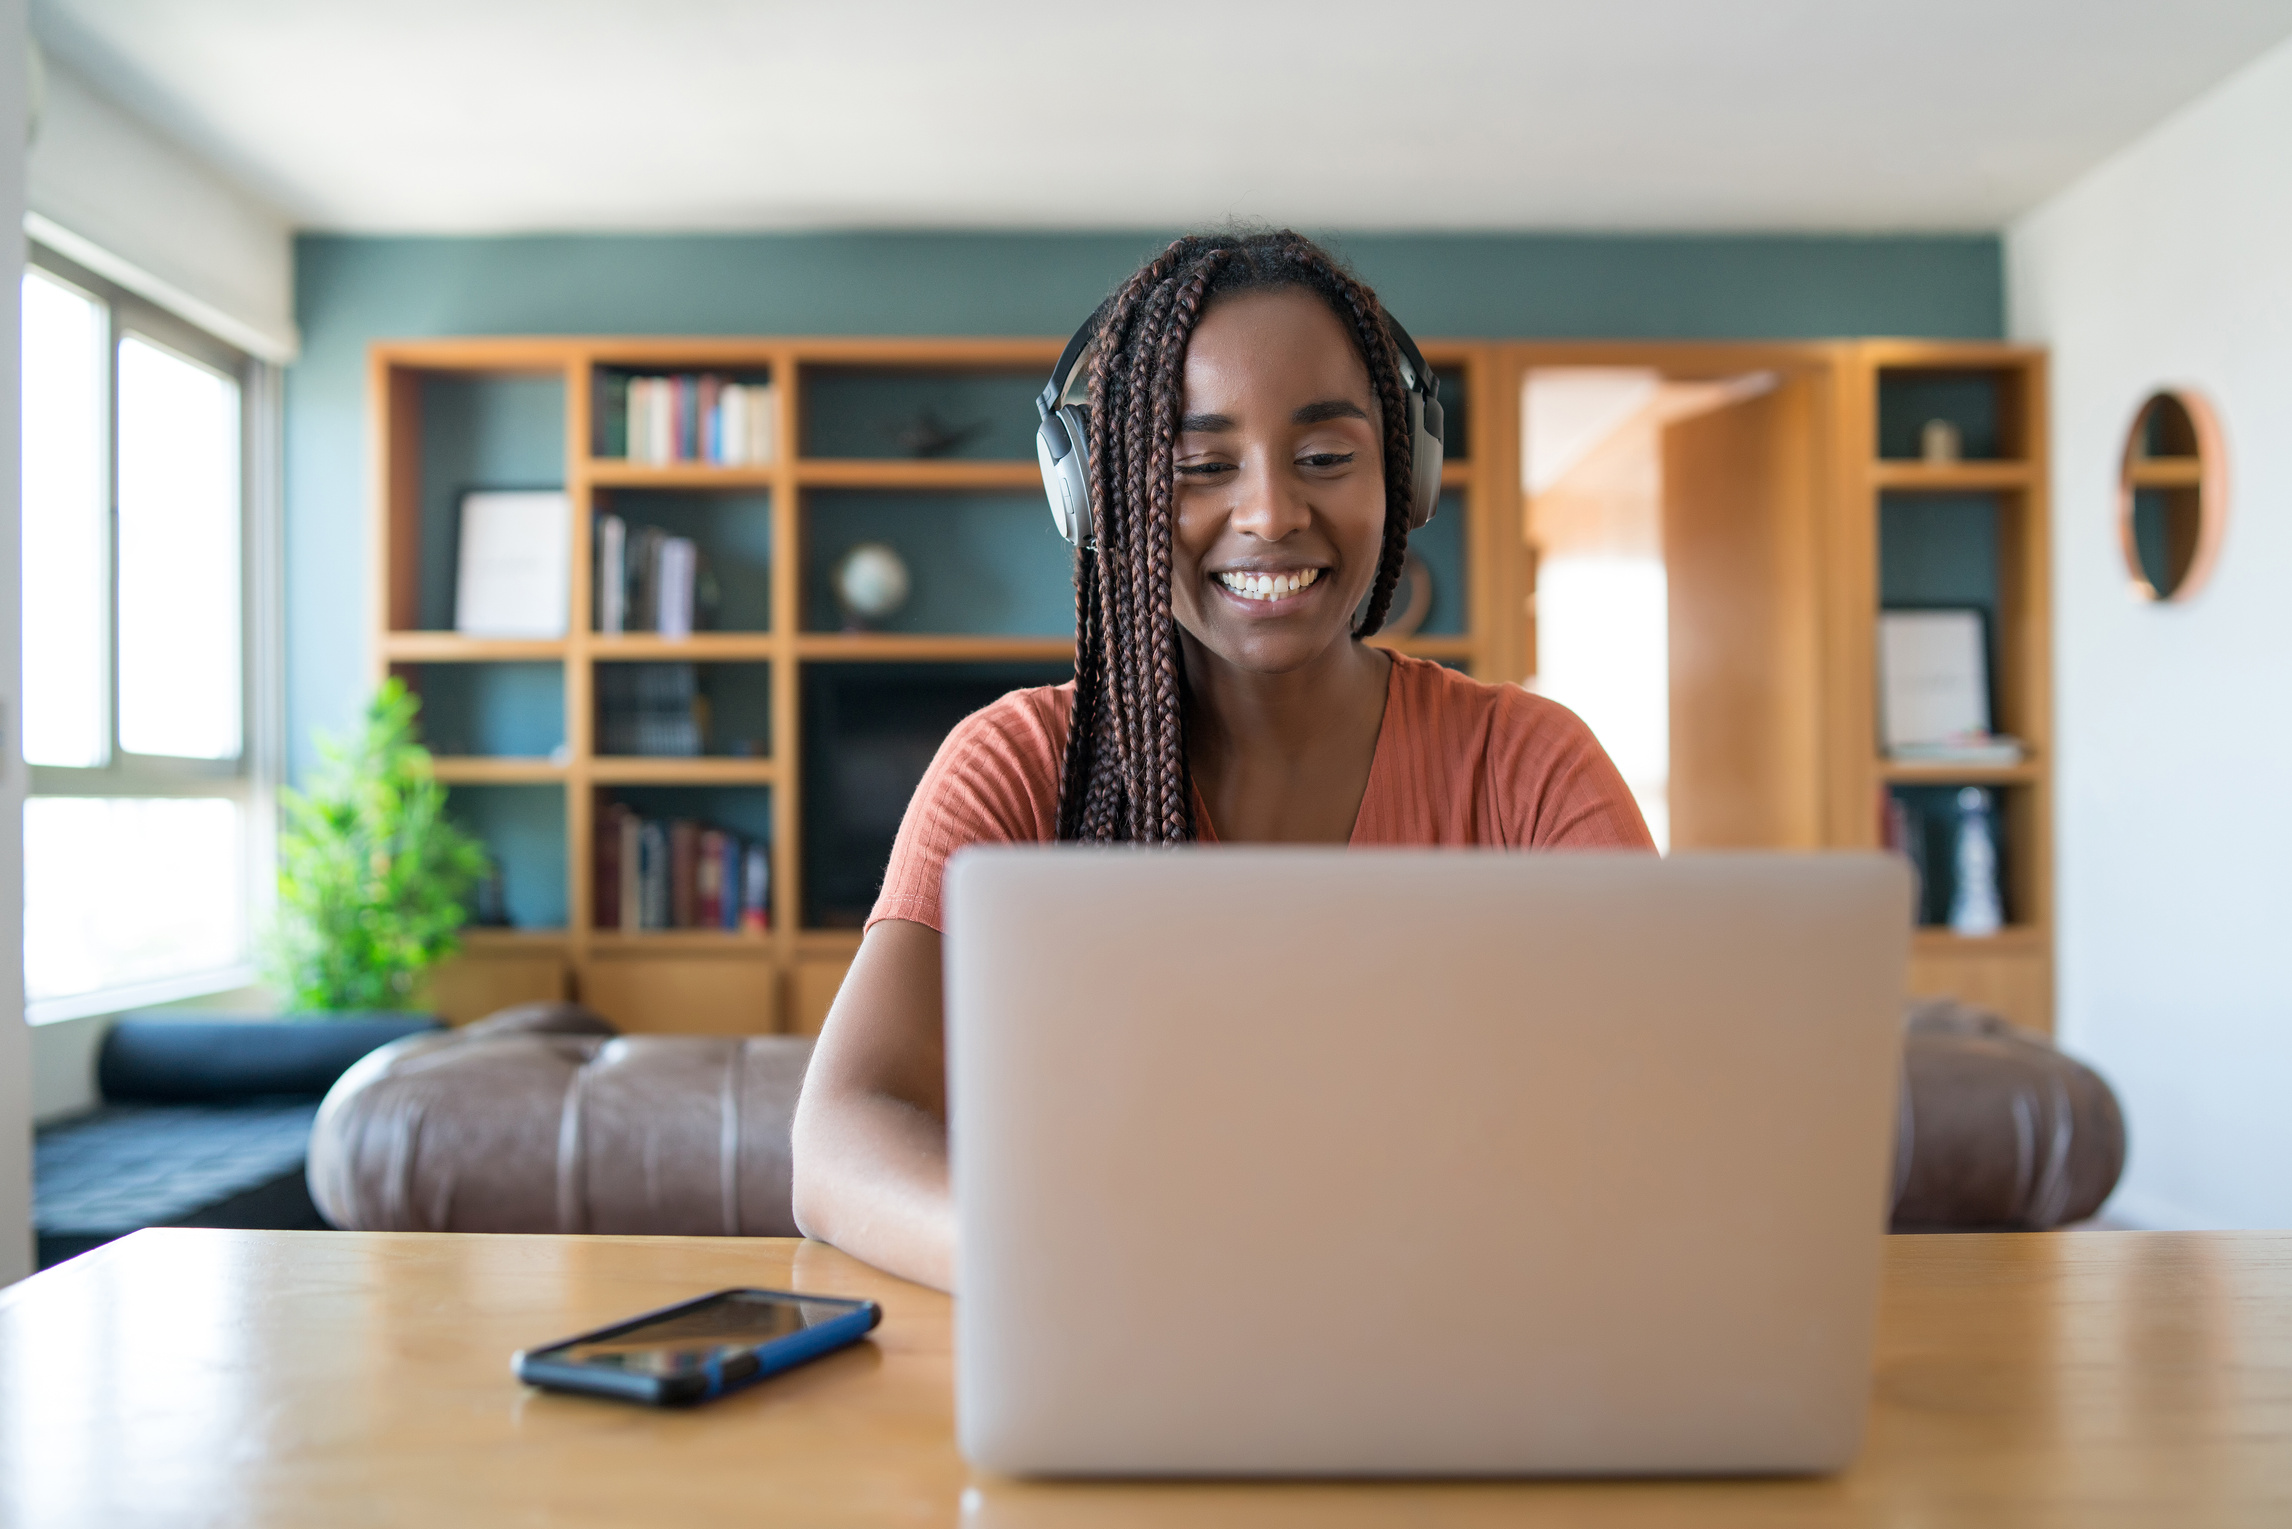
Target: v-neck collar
column 1381, row 765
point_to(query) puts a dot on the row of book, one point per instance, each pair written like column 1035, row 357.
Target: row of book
column 651, row 709
column 650, row 581
column 689, row 417
column 679, row 874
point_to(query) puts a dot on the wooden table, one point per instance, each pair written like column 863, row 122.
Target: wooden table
column 250, row 1378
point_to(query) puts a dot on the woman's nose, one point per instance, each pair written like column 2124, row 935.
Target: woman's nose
column 1269, row 506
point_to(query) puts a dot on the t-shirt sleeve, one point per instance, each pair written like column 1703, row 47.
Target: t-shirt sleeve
column 993, row 781
column 1567, row 793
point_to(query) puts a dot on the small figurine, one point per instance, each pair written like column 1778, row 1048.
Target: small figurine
column 1974, row 903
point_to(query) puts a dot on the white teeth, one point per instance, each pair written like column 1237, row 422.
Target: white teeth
column 1268, row 586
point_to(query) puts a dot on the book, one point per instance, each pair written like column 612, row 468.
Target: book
column 631, row 900
column 674, row 576
column 653, row 875
column 515, row 570
column 708, row 881
column 728, row 850
column 756, row 890
column 613, row 414
column 612, row 574
column 607, row 896
column 684, row 872
column 763, row 422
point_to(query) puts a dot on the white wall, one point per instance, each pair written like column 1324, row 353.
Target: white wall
column 131, row 205
column 15, row 1040
column 2172, row 263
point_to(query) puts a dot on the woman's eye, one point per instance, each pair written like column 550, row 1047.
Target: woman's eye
column 1205, row 470
column 1325, row 459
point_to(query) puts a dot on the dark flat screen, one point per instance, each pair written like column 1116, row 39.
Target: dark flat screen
column 681, row 1342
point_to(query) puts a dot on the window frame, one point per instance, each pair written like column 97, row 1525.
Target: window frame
column 249, row 780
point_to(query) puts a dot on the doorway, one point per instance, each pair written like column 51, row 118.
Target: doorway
column 1671, row 516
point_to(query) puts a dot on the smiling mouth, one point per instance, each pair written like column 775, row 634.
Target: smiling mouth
column 1269, row 586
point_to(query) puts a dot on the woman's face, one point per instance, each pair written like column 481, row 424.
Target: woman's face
column 1280, row 491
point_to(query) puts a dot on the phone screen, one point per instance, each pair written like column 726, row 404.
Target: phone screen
column 721, row 1328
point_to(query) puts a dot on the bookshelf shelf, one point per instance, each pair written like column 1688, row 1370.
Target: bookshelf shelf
column 1444, row 649
column 699, row 648
column 469, row 770
column 517, row 941
column 453, row 648
column 937, row 473
column 2013, row 939
column 2165, row 472
column 1951, row 477
column 615, row 472
column 900, row 647
column 647, row 770
column 1938, row 773
column 714, row 942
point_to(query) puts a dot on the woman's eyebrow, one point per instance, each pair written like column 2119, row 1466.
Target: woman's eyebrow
column 1328, row 409
column 1205, row 424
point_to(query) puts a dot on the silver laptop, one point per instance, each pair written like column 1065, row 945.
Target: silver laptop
column 1327, row 1162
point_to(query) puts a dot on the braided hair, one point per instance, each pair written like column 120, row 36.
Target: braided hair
column 1126, row 778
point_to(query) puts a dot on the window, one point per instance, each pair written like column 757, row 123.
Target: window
column 142, row 829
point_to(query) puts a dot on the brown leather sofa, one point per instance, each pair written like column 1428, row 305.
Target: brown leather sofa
column 543, row 1119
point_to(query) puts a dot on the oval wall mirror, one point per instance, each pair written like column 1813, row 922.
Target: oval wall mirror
column 2172, row 495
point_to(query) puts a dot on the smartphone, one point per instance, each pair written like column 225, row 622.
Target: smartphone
column 699, row 1349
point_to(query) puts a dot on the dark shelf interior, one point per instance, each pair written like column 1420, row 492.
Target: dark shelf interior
column 496, row 710
column 1983, row 405
column 870, row 731
column 523, row 827
column 969, row 415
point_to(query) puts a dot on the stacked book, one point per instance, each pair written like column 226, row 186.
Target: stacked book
column 690, row 417
column 679, row 874
column 650, row 581
column 651, row 709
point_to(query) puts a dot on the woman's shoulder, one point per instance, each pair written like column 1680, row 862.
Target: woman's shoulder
column 1021, row 727
column 1501, row 764
column 1453, row 702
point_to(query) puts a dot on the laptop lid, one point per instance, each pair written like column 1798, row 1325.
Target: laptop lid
column 1306, row 1161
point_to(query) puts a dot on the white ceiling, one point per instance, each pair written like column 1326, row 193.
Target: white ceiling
column 497, row 115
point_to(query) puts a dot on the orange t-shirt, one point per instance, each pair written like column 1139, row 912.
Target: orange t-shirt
column 1457, row 762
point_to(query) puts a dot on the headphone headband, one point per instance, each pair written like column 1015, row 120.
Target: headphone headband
column 1062, row 439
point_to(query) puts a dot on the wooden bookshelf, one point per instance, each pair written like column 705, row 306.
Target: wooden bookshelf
column 2000, row 393
column 1810, row 758
column 432, row 402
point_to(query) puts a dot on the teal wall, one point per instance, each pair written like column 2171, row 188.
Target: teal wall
column 351, row 290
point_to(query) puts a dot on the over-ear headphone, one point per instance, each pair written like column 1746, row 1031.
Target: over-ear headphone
column 1062, row 440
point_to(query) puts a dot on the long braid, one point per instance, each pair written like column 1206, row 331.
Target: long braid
column 1126, row 777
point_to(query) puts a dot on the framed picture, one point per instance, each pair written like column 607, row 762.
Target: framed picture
column 515, row 574
column 1933, row 677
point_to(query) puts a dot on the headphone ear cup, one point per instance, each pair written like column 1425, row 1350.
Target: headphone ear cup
column 1425, row 454
column 1062, row 451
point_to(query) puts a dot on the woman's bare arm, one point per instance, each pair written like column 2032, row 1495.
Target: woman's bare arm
column 870, row 1142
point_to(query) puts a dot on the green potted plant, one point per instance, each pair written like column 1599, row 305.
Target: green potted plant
column 374, row 879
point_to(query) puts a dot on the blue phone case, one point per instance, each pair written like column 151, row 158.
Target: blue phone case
column 537, row 1367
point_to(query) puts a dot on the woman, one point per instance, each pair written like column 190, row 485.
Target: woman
column 1250, row 473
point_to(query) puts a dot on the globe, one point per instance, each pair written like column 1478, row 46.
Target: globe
column 871, row 581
